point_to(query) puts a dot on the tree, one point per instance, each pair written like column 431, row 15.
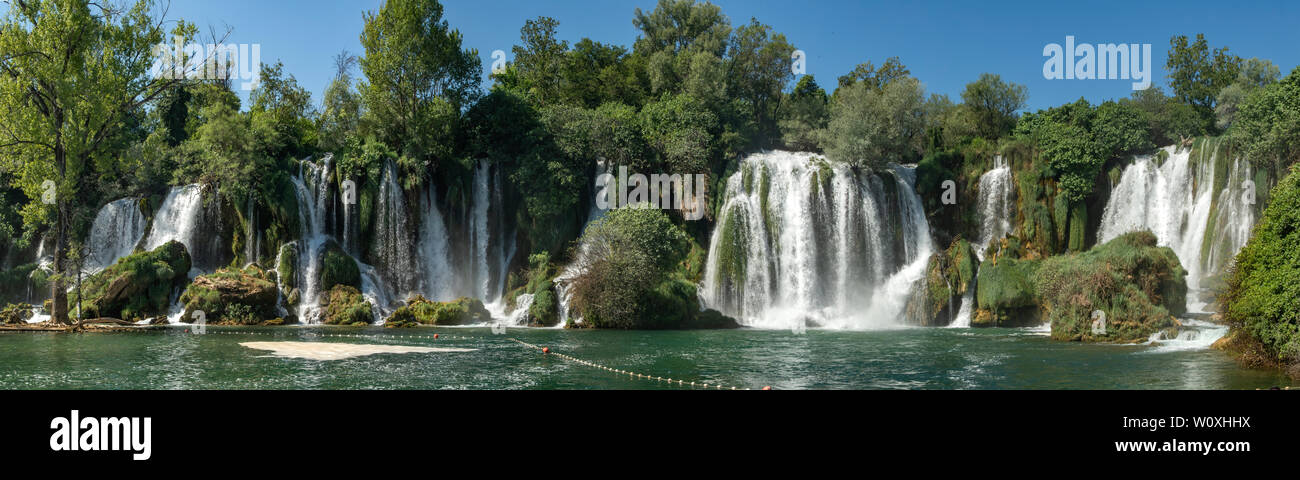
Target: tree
column 677, row 129
column 1168, row 119
column 71, row 73
column 876, row 79
column 873, row 128
column 681, row 39
column 804, row 115
column 1254, row 74
column 541, row 59
column 759, row 68
column 1196, row 74
column 417, row 80
column 993, row 104
column 284, row 108
column 1267, row 125
column 341, row 113
column 596, row 73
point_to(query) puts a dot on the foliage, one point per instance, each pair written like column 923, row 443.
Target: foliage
column 870, row 128
column 1263, row 285
column 804, row 115
column 137, row 286
column 993, row 103
column 1197, row 74
column 417, row 80
column 1267, row 123
column 630, row 254
column 344, row 305
column 1138, row 285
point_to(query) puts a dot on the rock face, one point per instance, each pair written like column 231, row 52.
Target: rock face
column 344, row 305
column 935, row 299
column 422, row 311
column 338, row 268
column 138, row 286
column 15, row 314
column 245, row 296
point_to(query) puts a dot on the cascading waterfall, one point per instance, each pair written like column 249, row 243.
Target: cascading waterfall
column 311, row 187
column 117, row 230
column 178, row 219
column 802, row 240
column 1177, row 201
column 996, row 201
column 439, row 281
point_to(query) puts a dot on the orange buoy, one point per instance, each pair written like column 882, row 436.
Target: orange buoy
column 767, row 388
column 435, row 336
column 546, row 349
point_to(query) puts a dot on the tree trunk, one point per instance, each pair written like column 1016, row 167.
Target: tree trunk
column 59, row 311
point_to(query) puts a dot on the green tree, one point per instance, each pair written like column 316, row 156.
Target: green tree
column 1197, row 74
column 417, row 80
column 684, row 43
column 873, row 128
column 993, row 104
column 64, row 97
column 540, row 61
column 876, row 79
column 1254, row 74
column 596, row 73
column 1267, row 125
column 340, row 117
column 279, row 105
column 759, row 68
column 804, row 115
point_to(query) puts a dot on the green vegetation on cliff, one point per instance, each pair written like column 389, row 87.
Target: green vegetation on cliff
column 1263, row 287
column 244, row 296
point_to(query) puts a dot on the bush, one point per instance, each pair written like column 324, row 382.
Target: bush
column 1137, row 284
column 137, row 286
column 1265, row 282
column 345, row 305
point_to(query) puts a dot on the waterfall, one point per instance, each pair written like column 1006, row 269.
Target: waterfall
column 178, row 219
column 311, row 187
column 996, row 204
column 1177, row 202
column 393, row 250
column 433, row 248
column 800, row 240
column 482, row 258
column 117, row 230
column 252, row 236
column 579, row 263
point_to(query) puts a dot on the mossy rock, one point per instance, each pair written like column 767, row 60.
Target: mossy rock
column 544, row 310
column 1139, row 287
column 288, row 265
column 948, row 276
column 338, row 268
column 462, row 311
column 137, row 286
column 344, row 305
column 15, row 314
column 246, row 296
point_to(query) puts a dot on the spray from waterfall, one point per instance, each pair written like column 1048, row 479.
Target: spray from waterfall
column 117, row 230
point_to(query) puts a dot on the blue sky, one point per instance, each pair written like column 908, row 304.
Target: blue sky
column 945, row 44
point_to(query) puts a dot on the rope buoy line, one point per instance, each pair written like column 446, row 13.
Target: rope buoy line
column 544, row 350
column 630, row 374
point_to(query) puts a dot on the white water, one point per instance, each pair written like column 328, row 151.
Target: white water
column 1194, row 335
column 842, row 255
column 178, row 219
column 312, row 189
column 1173, row 201
column 962, row 320
column 117, row 230
column 434, row 248
column 996, row 204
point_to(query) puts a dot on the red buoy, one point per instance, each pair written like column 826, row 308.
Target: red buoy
column 767, row 388
column 546, row 349
column 435, row 336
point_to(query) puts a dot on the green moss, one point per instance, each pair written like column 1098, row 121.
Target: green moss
column 338, row 268
column 543, row 310
column 463, row 311
column 137, row 286
column 1138, row 285
column 344, row 305
column 244, row 296
column 288, row 265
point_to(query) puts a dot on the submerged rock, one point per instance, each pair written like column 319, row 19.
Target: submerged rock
column 137, row 286
column 245, row 296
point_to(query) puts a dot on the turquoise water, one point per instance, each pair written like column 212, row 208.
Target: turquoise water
column 933, row 358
